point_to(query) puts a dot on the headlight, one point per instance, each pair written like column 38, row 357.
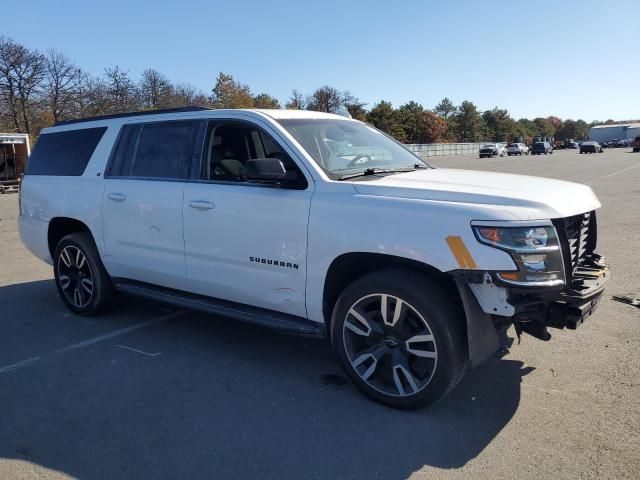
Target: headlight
column 535, row 250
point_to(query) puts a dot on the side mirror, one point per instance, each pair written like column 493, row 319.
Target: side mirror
column 264, row 169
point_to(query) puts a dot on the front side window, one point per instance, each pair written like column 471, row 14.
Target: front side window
column 154, row 150
column 230, row 144
column 343, row 146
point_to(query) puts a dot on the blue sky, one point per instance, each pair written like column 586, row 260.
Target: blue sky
column 574, row 59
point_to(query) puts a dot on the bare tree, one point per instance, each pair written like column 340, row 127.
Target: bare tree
column 155, row 89
column 63, row 85
column 296, row 101
column 354, row 106
column 95, row 98
column 7, row 80
column 121, row 90
column 185, row 95
column 21, row 75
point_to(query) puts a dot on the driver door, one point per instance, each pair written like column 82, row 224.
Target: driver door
column 246, row 242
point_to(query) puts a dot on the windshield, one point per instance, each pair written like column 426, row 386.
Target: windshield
column 344, row 146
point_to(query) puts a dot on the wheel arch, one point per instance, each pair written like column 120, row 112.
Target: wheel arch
column 348, row 267
column 60, row 227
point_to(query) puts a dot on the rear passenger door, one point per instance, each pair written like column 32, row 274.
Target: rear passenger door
column 142, row 204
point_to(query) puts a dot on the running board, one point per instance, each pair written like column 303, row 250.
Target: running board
column 246, row 313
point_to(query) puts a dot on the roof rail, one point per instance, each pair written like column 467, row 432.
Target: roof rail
column 133, row 114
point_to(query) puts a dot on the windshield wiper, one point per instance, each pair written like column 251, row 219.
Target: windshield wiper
column 374, row 171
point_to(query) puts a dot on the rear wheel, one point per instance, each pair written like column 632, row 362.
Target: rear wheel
column 399, row 336
column 82, row 281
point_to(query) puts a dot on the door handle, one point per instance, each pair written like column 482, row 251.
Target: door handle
column 118, row 197
column 201, row 205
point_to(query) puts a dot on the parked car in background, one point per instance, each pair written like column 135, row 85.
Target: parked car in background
column 493, row 150
column 591, row 147
column 636, row 144
column 517, row 149
column 540, row 148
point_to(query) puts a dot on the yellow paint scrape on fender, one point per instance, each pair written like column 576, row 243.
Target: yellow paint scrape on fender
column 460, row 251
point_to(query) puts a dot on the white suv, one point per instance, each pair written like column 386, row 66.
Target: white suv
column 517, row 149
column 315, row 224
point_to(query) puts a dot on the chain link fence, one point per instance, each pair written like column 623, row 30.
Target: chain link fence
column 439, row 149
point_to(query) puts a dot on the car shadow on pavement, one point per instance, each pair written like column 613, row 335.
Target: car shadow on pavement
column 204, row 397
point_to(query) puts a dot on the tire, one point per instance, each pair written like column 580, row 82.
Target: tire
column 378, row 355
column 84, row 285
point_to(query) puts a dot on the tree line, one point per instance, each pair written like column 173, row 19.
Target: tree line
column 38, row 89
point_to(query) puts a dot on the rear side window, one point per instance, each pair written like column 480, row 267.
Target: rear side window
column 154, row 150
column 64, row 153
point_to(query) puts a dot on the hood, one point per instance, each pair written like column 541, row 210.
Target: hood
column 525, row 197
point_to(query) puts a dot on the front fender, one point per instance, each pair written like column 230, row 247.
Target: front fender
column 342, row 221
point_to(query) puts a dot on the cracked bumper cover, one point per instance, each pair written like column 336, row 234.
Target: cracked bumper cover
column 497, row 305
column 567, row 307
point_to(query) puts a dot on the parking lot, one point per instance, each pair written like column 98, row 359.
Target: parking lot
column 150, row 391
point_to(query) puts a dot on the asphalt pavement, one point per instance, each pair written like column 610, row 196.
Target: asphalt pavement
column 153, row 392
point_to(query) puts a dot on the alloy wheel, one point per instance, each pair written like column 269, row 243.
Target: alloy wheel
column 75, row 276
column 390, row 345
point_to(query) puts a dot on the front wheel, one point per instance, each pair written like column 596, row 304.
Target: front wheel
column 83, row 283
column 400, row 338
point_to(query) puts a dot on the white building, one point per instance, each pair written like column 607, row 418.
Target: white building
column 602, row 133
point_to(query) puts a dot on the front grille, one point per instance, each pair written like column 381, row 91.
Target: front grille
column 578, row 236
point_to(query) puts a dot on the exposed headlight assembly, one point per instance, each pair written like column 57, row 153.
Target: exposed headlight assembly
column 535, row 250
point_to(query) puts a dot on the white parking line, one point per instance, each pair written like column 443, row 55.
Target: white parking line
column 94, row 340
column 23, row 363
column 139, row 351
column 613, row 174
column 117, row 333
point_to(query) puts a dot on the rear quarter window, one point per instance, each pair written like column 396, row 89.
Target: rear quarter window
column 64, row 153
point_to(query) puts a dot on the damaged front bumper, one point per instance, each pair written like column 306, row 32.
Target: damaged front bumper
column 568, row 307
column 491, row 305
